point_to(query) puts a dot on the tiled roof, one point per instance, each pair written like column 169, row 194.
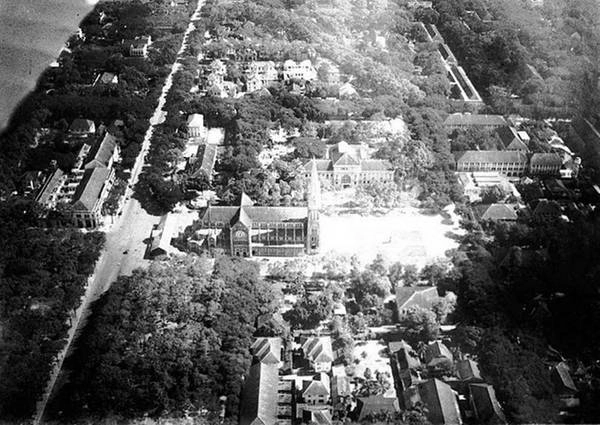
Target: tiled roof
column 507, row 134
column 242, row 217
column 81, row 125
column 375, row 165
column 195, row 120
column 545, row 159
column 394, row 346
column 346, row 159
column 319, row 385
column 255, row 214
column 50, row 187
column 407, row 358
column 468, row 369
column 140, row 42
column 322, row 165
column 422, row 296
column 440, row 401
column 318, row 349
column 101, row 153
column 474, row 120
column 485, row 404
column 89, row 190
column 374, row 404
column 491, row 157
column 275, row 214
column 561, row 371
column 267, row 350
column 437, row 349
column 209, row 156
column 498, row 212
column 259, row 398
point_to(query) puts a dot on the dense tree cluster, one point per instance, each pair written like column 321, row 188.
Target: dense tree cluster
column 167, row 339
column 529, row 289
column 43, row 274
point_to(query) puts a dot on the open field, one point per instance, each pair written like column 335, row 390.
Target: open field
column 403, row 234
column 369, row 353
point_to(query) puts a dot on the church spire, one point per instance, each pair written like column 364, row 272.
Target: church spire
column 314, row 188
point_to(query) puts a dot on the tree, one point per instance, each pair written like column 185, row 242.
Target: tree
column 168, row 338
column 309, row 311
column 444, row 307
column 369, row 289
column 434, row 273
column 419, row 325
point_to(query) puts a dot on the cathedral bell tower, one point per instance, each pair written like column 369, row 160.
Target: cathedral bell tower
column 314, row 206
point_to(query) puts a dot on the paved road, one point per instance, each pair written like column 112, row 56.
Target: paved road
column 125, row 247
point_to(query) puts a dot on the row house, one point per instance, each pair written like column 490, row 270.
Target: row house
column 460, row 121
column 545, row 164
column 508, row 163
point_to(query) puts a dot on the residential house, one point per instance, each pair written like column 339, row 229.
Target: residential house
column 420, row 296
column 217, row 67
column 319, row 352
column 485, row 405
column 303, row 70
column 139, row 46
column 349, row 165
column 82, row 127
column 440, row 400
column 497, row 212
column 508, row 163
column 317, row 390
column 463, row 121
column 195, row 125
column 367, row 407
column 106, row 78
column 162, row 236
column 265, row 71
column 563, row 382
column 253, row 83
column 545, row 164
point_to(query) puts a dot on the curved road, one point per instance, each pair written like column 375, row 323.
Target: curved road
column 125, row 247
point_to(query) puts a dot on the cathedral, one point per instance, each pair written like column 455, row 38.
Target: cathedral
column 246, row 230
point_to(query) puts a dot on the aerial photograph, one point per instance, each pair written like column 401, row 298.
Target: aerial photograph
column 299, row 212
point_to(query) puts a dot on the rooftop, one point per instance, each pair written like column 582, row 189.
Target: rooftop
column 89, row 190
column 491, row 157
column 459, row 120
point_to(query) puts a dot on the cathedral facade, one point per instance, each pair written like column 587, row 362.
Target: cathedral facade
column 247, row 230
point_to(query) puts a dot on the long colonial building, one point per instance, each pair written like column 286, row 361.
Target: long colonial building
column 247, row 230
column 349, row 165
